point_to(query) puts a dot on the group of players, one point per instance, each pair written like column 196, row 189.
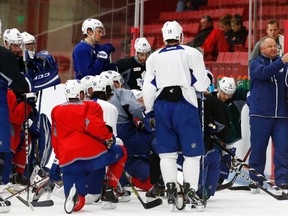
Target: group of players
column 38, row 71
column 112, row 131
column 132, row 128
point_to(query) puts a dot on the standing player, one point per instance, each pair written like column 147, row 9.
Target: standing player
column 133, row 69
column 10, row 77
column 89, row 57
column 174, row 74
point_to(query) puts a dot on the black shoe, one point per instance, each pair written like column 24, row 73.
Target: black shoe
column 4, row 205
column 156, row 190
column 18, row 178
column 171, row 192
column 108, row 194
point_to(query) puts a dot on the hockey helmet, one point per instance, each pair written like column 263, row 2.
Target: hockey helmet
column 114, row 76
column 12, row 36
column 227, row 85
column 137, row 93
column 29, row 43
column 28, row 38
column 142, row 45
column 93, row 24
column 72, row 89
column 86, row 83
column 172, row 30
column 101, row 82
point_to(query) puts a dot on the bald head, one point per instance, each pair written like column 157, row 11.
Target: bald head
column 268, row 47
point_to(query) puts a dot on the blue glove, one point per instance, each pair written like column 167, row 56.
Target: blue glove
column 149, row 121
column 55, row 171
column 105, row 51
column 34, row 130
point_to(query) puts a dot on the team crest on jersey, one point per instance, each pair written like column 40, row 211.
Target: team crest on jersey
column 137, row 69
column 282, row 69
column 193, row 145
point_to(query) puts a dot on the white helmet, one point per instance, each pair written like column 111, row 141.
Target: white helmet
column 114, row 76
column 137, row 93
column 101, row 82
column 86, row 83
column 72, row 89
column 28, row 38
column 12, row 36
column 142, row 45
column 172, row 30
column 93, row 24
column 227, row 85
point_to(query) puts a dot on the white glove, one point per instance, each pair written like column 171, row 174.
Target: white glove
column 31, row 97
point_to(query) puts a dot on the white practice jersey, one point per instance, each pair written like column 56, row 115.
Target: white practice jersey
column 110, row 114
column 178, row 65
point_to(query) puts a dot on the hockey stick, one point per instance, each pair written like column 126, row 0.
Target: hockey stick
column 282, row 196
column 44, row 203
column 27, row 203
column 232, row 181
column 24, row 189
column 27, row 145
column 147, row 205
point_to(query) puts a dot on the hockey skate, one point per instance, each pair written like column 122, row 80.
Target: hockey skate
column 108, row 197
column 45, row 188
column 254, row 189
column 155, row 191
column 171, row 195
column 73, row 202
column 4, row 205
column 191, row 199
column 122, row 194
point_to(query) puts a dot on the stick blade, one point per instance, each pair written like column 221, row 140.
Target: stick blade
column 153, row 203
column 44, row 203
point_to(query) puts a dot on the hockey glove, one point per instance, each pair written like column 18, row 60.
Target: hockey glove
column 149, row 121
column 34, row 131
column 55, row 171
column 105, row 51
column 211, row 128
column 111, row 142
column 31, row 98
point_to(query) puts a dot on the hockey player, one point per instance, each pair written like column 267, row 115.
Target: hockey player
column 89, row 56
column 173, row 74
column 133, row 68
column 234, row 100
column 137, row 140
column 29, row 43
column 10, row 77
column 83, row 145
column 216, row 123
column 269, row 112
column 13, row 41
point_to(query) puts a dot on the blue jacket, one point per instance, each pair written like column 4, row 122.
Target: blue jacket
column 268, row 93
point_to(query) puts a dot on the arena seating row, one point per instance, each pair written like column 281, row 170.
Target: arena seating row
column 229, row 64
column 194, row 16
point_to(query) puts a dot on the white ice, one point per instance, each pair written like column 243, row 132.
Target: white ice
column 226, row 202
